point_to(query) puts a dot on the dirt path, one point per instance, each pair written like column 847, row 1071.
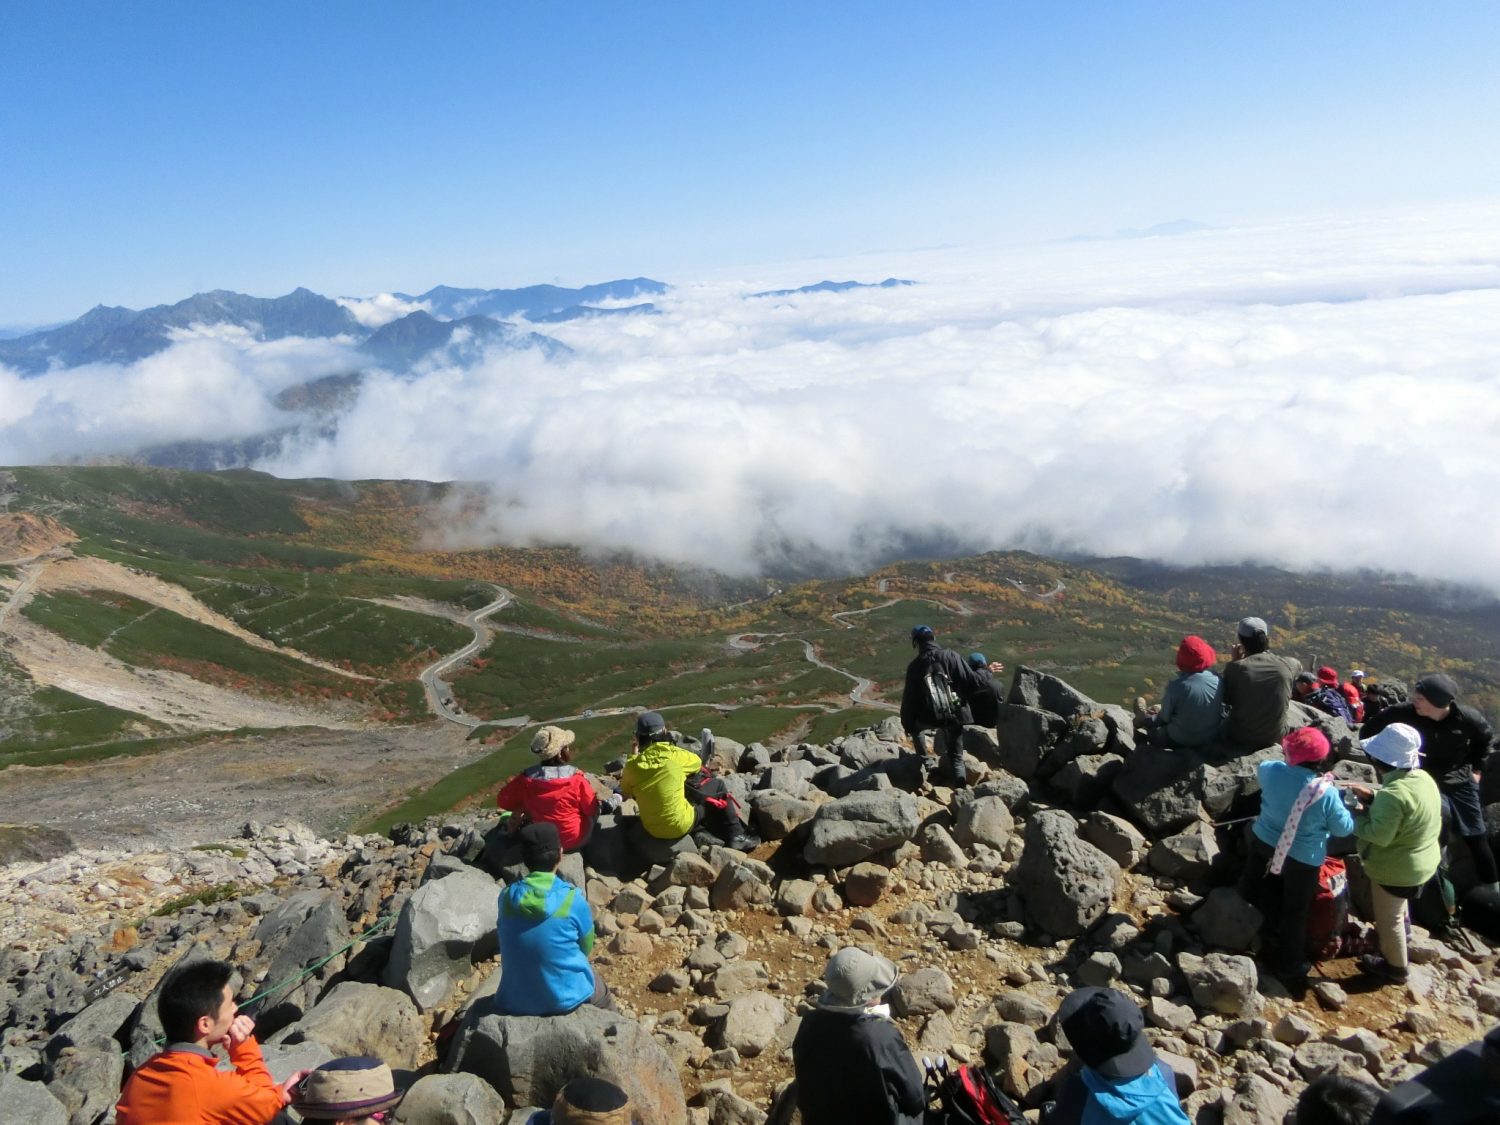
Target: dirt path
column 197, row 794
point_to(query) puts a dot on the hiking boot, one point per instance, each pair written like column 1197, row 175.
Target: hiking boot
column 743, row 842
column 1374, row 965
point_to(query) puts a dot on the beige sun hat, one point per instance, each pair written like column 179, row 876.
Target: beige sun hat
column 549, row 742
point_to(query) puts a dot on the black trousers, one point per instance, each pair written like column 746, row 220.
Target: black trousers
column 1283, row 900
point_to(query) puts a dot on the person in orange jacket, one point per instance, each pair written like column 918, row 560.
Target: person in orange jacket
column 183, row 1084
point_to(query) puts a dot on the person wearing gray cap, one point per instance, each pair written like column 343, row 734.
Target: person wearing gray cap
column 1456, row 740
column 1255, row 689
column 850, row 1060
column 673, row 790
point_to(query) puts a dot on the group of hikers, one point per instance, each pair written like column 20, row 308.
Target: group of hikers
column 851, row 1062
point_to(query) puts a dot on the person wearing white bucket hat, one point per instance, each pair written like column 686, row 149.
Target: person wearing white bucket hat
column 1397, row 831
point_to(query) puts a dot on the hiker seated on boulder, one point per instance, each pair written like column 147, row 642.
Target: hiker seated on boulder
column 984, row 704
column 850, row 1060
column 1190, row 711
column 1456, row 740
column 1397, row 828
column 1255, row 689
column 1354, row 694
column 546, row 934
column 1322, row 691
column 552, row 790
column 1120, row 1078
column 587, row 1101
column 1337, row 1099
column 1300, row 810
column 183, row 1082
column 1462, row 1089
column 938, row 681
column 674, row 790
column 347, row 1091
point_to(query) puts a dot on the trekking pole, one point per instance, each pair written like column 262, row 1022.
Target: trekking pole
column 1231, row 823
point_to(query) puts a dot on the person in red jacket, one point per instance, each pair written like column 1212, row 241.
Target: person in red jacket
column 183, row 1084
column 553, row 790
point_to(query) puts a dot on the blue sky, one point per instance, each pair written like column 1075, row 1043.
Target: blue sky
column 153, row 150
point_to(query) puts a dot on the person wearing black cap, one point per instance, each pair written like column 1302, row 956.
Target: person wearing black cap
column 929, row 669
column 1456, row 740
column 984, row 705
column 1255, row 689
column 1120, row 1079
column 673, row 790
column 546, row 935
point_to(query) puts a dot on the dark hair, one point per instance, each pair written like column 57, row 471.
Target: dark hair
column 190, row 993
column 1254, row 643
column 1336, row 1099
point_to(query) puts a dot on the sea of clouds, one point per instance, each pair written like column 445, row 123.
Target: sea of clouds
column 1322, row 393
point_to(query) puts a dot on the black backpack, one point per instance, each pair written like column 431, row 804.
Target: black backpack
column 940, row 694
column 967, row 1095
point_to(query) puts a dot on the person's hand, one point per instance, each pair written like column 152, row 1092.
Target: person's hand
column 1363, row 792
column 240, row 1029
column 996, row 667
column 1476, row 777
column 291, row 1084
column 1236, row 651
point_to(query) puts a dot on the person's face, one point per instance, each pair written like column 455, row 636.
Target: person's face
column 219, row 1023
column 1426, row 708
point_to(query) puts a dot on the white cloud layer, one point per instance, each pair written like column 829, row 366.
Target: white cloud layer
column 1324, row 394
column 381, row 309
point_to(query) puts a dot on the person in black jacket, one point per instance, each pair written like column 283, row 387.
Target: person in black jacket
column 850, row 1060
column 984, row 705
column 917, row 711
column 1455, row 742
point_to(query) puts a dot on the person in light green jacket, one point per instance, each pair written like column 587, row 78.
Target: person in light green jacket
column 1397, row 830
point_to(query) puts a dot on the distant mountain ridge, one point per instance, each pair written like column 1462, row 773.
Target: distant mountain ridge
column 836, row 287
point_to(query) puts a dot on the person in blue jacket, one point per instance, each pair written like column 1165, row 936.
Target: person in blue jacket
column 546, row 934
column 1121, row 1079
column 1300, row 810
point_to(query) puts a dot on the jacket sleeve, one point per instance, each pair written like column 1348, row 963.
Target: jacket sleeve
column 1481, row 738
column 246, row 1095
column 1168, row 702
column 510, row 796
column 1376, row 723
column 1379, row 825
column 1072, row 1100
column 588, row 800
column 1337, row 817
column 898, row 1070
column 627, row 781
column 585, row 920
column 967, row 682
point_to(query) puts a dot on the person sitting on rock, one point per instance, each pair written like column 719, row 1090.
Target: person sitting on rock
column 1120, row 1078
column 1462, row 1089
column 1328, row 697
column 1456, row 740
column 1190, row 711
column 1255, row 689
column 183, row 1082
column 850, row 1060
column 1300, row 810
column 674, row 791
column 1337, row 1099
column 984, row 704
column 1354, row 694
column 932, row 667
column 553, row 790
column 347, row 1091
column 546, row 934
column 587, row 1101
column 1398, row 833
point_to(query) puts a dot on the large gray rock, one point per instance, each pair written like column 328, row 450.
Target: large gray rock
column 86, row 1079
column 860, row 825
column 451, row 1099
column 923, row 992
column 1161, row 790
column 1222, row 982
column 29, row 1103
column 751, row 1024
column 866, row 749
column 1115, row 837
column 1187, row 855
column 306, row 928
column 527, row 1059
column 1025, row 737
column 363, row 1019
column 1030, row 688
column 778, row 815
column 984, row 820
column 102, row 1019
column 444, row 929
column 1065, row 882
column 1227, row 920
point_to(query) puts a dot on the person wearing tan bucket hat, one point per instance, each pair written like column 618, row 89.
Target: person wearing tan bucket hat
column 850, row 1059
column 552, row 790
column 349, row 1091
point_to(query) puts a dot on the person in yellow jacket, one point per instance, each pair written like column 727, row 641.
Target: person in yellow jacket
column 672, row 790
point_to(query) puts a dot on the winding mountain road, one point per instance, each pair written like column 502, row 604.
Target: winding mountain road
column 862, row 686
column 439, row 697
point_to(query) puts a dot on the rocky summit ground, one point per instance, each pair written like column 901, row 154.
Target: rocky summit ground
column 995, row 901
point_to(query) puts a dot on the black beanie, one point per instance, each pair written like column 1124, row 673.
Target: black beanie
column 1437, row 689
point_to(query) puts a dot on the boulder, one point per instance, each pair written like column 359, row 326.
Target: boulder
column 86, row 1079
column 1187, row 855
column 1030, row 688
column 102, row 1019
column 778, row 815
column 858, row 826
column 444, row 929
column 866, row 749
column 305, row 929
column 30, row 1102
column 1227, row 920
column 451, row 1099
column 1222, row 982
column 1115, row 837
column 527, row 1059
column 865, row 883
column 740, row 884
column 1024, row 738
column 984, row 820
column 751, row 1023
column 923, row 992
column 1161, row 790
column 939, row 847
column 1065, row 882
column 363, row 1019
column 1256, row 1101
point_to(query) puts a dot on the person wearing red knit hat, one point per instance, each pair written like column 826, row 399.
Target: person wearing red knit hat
column 1189, row 714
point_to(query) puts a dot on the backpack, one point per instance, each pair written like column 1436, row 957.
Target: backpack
column 1328, row 913
column 967, row 1095
column 940, row 694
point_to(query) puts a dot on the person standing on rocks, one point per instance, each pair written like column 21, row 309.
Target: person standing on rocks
column 1121, row 1079
column 1190, row 711
column 183, row 1082
column 850, row 1060
column 1300, row 810
column 553, row 790
column 1398, row 834
column 546, row 934
column 673, row 790
column 1456, row 740
column 1255, row 689
column 984, row 705
column 924, row 707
